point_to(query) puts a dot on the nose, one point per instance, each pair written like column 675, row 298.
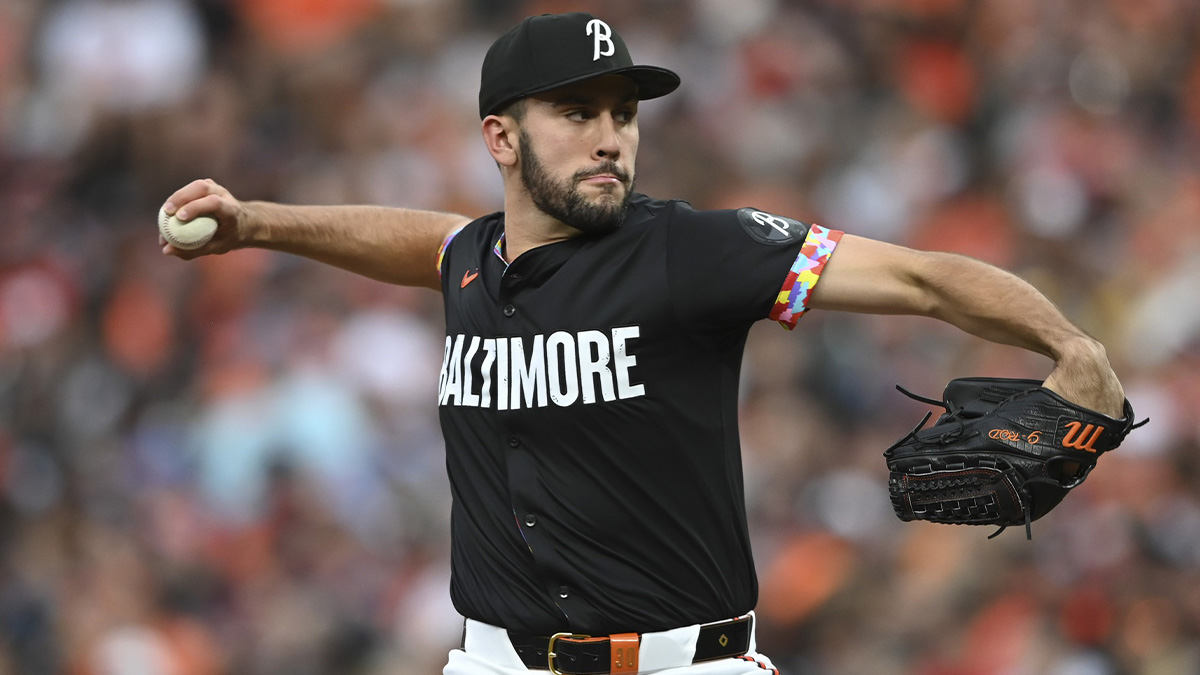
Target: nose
column 608, row 141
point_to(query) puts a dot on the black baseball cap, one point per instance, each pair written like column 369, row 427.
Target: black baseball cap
column 552, row 50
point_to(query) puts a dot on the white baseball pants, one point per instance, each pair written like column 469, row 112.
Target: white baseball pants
column 488, row 651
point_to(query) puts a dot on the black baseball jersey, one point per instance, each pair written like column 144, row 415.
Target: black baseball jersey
column 588, row 399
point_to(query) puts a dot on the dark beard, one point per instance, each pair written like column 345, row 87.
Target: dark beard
column 564, row 202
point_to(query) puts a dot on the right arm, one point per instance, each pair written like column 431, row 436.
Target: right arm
column 393, row 245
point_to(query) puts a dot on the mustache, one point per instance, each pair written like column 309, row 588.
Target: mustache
column 609, row 167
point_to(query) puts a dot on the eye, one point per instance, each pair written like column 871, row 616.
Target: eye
column 625, row 116
column 578, row 114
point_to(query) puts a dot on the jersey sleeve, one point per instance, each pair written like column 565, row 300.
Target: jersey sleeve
column 441, row 254
column 732, row 267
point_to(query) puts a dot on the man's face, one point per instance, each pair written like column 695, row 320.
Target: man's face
column 577, row 146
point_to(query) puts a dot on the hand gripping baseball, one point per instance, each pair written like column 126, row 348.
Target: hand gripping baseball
column 182, row 218
column 1005, row 452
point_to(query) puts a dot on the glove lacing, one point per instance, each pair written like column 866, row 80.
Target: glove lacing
column 952, row 415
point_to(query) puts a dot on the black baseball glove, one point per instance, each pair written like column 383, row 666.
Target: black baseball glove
column 1005, row 452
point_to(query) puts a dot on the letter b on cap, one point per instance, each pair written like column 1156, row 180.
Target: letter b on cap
column 602, row 36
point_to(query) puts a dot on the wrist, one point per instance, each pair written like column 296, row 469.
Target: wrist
column 253, row 226
column 1082, row 374
column 1080, row 351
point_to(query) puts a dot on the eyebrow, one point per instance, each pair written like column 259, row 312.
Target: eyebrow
column 576, row 98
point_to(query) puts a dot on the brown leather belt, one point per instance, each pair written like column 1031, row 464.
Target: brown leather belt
column 574, row 654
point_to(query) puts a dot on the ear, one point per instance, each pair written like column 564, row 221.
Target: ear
column 500, row 136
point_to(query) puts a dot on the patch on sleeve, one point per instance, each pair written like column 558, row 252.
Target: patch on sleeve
column 769, row 229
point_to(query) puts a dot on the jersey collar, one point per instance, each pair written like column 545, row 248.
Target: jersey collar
column 498, row 249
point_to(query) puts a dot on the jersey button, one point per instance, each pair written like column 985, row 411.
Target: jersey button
column 513, row 441
column 515, row 276
column 564, row 592
column 509, row 310
column 530, row 520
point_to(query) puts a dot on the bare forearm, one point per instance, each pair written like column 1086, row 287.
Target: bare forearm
column 999, row 306
column 993, row 304
column 398, row 246
column 393, row 245
column 865, row 275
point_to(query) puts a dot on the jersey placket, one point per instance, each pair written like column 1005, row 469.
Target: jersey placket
column 536, row 525
column 527, row 496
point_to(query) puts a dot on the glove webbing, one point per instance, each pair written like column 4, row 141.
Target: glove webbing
column 1023, row 493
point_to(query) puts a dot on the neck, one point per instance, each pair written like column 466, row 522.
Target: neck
column 527, row 227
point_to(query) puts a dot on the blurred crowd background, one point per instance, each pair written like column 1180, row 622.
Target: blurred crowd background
column 233, row 466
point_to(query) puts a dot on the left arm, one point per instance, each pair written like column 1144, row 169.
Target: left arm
column 864, row 275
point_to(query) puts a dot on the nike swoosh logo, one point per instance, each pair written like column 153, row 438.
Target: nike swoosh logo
column 468, row 277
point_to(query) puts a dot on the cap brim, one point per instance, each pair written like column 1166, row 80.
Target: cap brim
column 651, row 81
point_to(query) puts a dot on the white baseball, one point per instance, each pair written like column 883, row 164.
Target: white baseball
column 186, row 235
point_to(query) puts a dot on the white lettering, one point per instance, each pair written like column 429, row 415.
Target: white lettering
column 532, row 376
column 485, row 388
column 502, row 374
column 454, row 379
column 623, row 361
column 535, row 372
column 470, row 398
column 561, row 368
column 591, row 366
column 603, row 36
column 768, row 220
column 445, row 372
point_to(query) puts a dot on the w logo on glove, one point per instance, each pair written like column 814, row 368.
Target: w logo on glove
column 1075, row 438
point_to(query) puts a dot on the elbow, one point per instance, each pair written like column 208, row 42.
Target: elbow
column 922, row 279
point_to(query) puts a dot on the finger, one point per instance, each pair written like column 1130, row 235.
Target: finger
column 216, row 188
column 191, row 192
column 190, row 254
column 212, row 204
